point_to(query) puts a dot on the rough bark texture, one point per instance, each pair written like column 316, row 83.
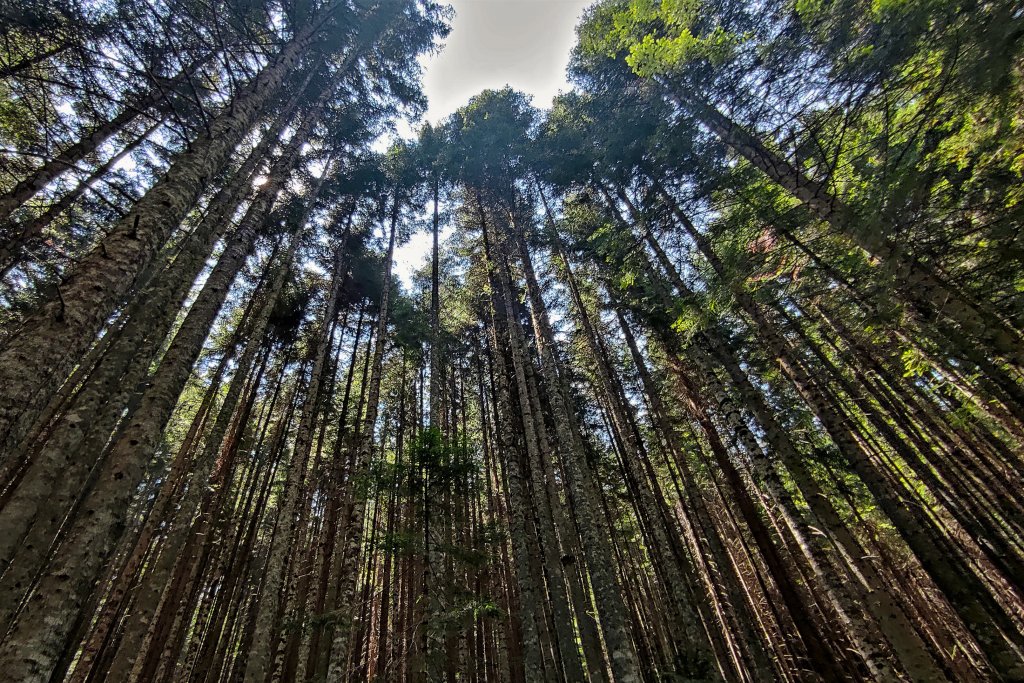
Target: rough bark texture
column 46, row 347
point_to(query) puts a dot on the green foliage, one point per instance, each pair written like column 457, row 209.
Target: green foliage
column 915, row 364
column 289, row 311
column 489, row 140
column 658, row 37
column 446, row 462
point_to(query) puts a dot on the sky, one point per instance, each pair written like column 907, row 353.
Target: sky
column 493, row 43
column 522, row 43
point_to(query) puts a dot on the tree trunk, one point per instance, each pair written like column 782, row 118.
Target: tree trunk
column 31, row 647
column 350, row 552
column 916, row 281
column 265, row 645
column 37, row 359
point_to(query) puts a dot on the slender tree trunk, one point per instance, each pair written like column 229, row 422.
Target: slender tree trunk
column 11, row 250
column 31, row 646
column 911, row 651
column 86, row 426
column 916, row 281
column 533, row 427
column 290, row 517
column 37, row 359
column 211, row 466
column 69, row 158
column 350, row 552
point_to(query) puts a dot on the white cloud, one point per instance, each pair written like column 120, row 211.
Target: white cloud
column 494, row 43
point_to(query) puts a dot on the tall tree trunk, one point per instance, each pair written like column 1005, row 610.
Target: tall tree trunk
column 533, row 427
column 27, row 234
column 911, row 651
column 290, row 517
column 207, row 481
column 34, row 642
column 917, row 283
column 350, row 552
column 86, row 426
column 90, row 141
column 41, row 354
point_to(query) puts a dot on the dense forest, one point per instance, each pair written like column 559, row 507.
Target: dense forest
column 715, row 371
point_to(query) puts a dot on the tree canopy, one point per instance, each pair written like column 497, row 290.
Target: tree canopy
column 715, row 371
